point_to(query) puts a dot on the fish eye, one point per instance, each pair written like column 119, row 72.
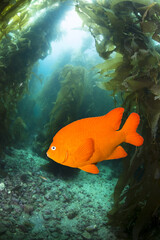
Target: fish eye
column 53, row 148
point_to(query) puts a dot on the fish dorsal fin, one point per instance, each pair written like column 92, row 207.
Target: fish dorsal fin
column 91, row 168
column 119, row 152
column 114, row 117
column 85, row 151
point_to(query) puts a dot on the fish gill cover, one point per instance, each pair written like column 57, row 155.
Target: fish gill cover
column 126, row 35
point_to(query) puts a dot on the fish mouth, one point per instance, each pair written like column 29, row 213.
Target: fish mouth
column 47, row 154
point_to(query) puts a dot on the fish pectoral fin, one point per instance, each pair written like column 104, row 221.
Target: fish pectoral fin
column 85, row 151
column 90, row 169
column 119, row 152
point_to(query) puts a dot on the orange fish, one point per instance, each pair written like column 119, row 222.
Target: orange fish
column 83, row 143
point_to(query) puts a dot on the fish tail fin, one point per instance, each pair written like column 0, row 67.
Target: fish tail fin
column 129, row 129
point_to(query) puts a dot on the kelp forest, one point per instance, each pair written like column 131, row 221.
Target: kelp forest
column 129, row 45
column 126, row 37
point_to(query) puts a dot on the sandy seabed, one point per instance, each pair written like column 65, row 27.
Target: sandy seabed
column 38, row 204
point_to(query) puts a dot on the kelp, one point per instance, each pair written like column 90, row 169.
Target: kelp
column 18, row 58
column 110, row 64
column 136, row 196
column 15, row 16
column 19, row 131
column 131, row 28
column 143, row 2
column 66, row 107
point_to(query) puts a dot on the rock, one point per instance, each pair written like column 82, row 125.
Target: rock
column 49, row 197
column 47, row 212
column 26, row 226
column 7, row 223
column 52, row 229
column 34, row 197
column 2, row 186
column 28, row 209
column 54, row 216
column 91, row 228
column 46, row 217
column 56, row 197
column 72, row 214
column 86, row 235
column 3, row 229
column 24, row 177
column 66, row 198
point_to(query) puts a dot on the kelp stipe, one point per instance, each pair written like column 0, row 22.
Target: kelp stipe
column 33, row 42
column 65, row 108
column 124, row 32
column 69, row 99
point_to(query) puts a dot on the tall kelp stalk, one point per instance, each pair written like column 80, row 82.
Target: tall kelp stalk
column 20, row 49
column 17, row 15
column 127, row 36
column 65, row 109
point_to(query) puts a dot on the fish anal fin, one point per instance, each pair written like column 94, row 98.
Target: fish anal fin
column 91, row 168
column 85, row 151
column 119, row 152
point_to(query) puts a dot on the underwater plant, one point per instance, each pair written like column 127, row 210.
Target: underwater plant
column 20, row 49
column 65, row 108
column 16, row 16
column 126, row 35
column 19, row 131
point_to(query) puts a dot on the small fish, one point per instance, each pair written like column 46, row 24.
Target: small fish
column 83, row 143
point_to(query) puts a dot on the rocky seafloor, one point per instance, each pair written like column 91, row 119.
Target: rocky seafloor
column 39, row 204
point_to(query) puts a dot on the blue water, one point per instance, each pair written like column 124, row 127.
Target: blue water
column 75, row 46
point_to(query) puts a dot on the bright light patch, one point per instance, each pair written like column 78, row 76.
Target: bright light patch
column 39, row 2
column 71, row 41
column 72, row 31
column 88, row 1
column 155, row 42
column 71, row 21
column 36, row 15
